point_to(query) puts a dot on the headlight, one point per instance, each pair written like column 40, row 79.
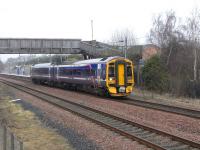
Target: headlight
column 110, row 79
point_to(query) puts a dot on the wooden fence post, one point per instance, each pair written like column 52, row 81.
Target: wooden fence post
column 4, row 137
column 21, row 145
column 11, row 141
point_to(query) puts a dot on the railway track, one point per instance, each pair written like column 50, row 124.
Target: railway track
column 12, row 76
column 150, row 137
column 162, row 107
column 138, row 102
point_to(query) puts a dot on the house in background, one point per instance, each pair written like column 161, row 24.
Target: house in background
column 141, row 53
column 144, row 51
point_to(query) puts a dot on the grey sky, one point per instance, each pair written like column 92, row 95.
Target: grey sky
column 72, row 18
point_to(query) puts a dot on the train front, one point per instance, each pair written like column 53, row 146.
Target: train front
column 120, row 77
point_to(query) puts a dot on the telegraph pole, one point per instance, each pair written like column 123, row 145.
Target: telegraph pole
column 93, row 42
column 92, row 28
column 195, row 60
column 125, row 47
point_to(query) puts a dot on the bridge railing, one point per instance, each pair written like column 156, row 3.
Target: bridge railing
column 99, row 51
column 55, row 46
column 34, row 46
column 39, row 43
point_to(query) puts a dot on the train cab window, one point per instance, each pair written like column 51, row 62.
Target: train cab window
column 111, row 71
column 129, row 71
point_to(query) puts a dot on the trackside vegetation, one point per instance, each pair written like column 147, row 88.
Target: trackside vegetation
column 154, row 74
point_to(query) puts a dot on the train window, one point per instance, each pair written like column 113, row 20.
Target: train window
column 129, row 71
column 76, row 72
column 61, row 71
column 43, row 71
column 84, row 72
column 111, row 71
column 67, row 72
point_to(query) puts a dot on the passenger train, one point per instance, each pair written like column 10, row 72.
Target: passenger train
column 111, row 76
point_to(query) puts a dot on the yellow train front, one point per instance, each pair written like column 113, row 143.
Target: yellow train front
column 119, row 76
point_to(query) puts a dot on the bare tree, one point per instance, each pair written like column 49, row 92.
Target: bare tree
column 1, row 66
column 192, row 33
column 167, row 33
column 120, row 36
column 164, row 32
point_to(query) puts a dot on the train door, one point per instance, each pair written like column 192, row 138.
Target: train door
column 99, row 74
column 120, row 71
column 50, row 73
column 53, row 73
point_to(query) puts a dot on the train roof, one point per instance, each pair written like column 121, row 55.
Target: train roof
column 74, row 65
column 97, row 60
column 79, row 63
column 44, row 65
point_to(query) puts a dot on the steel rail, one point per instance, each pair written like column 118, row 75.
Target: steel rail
column 59, row 102
column 193, row 113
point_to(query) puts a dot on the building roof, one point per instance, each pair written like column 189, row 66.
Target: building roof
column 138, row 49
column 79, row 63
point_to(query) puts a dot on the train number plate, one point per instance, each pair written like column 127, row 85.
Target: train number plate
column 122, row 89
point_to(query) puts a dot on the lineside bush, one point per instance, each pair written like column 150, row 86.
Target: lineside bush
column 154, row 75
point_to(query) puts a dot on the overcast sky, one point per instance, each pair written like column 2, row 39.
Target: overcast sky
column 72, row 18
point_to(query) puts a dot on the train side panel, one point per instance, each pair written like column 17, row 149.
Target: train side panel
column 79, row 75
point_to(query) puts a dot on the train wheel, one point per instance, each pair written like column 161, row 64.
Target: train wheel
column 106, row 93
column 51, row 83
column 103, row 92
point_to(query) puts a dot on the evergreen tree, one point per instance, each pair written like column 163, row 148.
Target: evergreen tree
column 154, row 75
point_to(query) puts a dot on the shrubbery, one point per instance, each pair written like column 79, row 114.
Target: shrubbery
column 192, row 89
column 154, row 75
column 156, row 78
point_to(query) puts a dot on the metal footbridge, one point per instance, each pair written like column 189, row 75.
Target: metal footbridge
column 55, row 46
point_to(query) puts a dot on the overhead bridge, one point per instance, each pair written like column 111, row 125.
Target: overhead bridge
column 55, row 46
